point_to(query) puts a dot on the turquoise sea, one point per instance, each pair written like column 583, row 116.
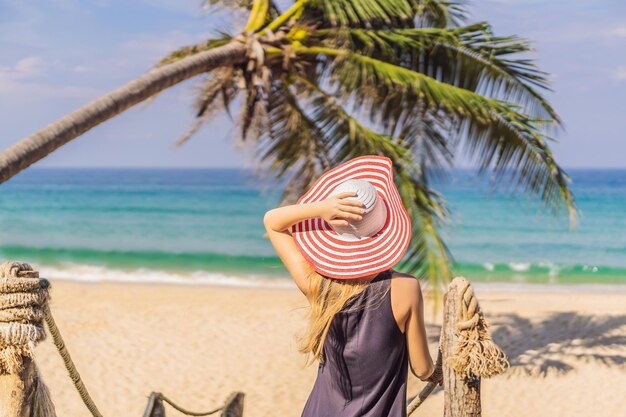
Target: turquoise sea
column 205, row 225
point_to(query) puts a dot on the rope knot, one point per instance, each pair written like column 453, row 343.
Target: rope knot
column 475, row 355
column 22, row 297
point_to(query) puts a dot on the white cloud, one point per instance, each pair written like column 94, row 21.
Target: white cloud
column 41, row 91
column 620, row 73
column 24, row 79
column 617, row 31
column 81, row 68
column 31, row 66
column 25, row 68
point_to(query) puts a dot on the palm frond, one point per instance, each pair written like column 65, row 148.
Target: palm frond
column 517, row 151
column 468, row 57
column 294, row 144
column 375, row 82
column 258, row 15
column 216, row 93
column 428, row 137
column 382, row 13
column 441, row 14
column 347, row 135
column 216, row 5
column 254, row 113
column 492, row 66
column 512, row 139
column 232, row 4
column 289, row 124
column 364, row 13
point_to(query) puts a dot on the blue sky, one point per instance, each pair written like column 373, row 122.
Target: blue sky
column 60, row 54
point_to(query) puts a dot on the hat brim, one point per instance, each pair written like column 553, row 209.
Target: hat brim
column 341, row 259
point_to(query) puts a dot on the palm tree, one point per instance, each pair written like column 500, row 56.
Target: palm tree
column 328, row 80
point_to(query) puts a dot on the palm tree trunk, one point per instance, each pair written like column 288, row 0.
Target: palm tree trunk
column 38, row 145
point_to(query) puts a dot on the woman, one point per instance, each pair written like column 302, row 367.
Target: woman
column 339, row 243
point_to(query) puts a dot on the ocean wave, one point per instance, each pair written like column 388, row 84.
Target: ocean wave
column 96, row 273
column 148, row 259
column 503, row 273
column 210, row 267
column 519, row 266
column 542, row 271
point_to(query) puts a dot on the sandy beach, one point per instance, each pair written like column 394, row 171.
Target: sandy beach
column 197, row 344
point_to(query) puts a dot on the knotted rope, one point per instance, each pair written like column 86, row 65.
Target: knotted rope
column 22, row 295
column 475, row 354
column 21, row 317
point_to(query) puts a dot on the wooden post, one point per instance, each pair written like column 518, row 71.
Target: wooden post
column 17, row 387
column 462, row 396
column 233, row 406
column 155, row 406
column 17, row 391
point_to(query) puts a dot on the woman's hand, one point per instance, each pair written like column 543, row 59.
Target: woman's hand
column 336, row 209
column 437, row 374
column 436, row 377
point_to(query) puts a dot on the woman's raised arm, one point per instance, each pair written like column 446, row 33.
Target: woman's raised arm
column 278, row 222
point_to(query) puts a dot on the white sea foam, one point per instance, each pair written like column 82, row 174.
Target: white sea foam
column 489, row 266
column 519, row 266
column 96, row 273
column 550, row 287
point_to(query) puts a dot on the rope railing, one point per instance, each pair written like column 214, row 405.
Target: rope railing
column 23, row 310
column 465, row 352
column 184, row 410
column 69, row 363
column 232, row 407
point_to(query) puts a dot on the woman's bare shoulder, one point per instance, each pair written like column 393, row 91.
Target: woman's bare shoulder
column 406, row 287
column 405, row 296
column 404, row 280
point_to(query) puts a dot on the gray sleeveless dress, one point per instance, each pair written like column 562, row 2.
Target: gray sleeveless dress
column 366, row 361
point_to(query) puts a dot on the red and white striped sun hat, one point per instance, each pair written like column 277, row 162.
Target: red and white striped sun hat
column 337, row 253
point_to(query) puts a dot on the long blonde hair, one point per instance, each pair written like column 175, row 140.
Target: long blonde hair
column 327, row 296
